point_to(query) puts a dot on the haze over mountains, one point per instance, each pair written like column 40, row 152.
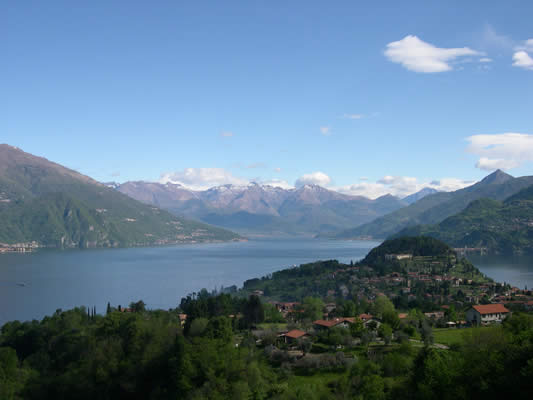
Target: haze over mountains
column 46, row 203
column 264, row 209
column 436, row 207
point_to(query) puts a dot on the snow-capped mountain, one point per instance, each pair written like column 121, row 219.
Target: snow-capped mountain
column 256, row 208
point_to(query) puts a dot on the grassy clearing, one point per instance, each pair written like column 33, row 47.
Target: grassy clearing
column 316, row 383
column 272, row 326
column 449, row 336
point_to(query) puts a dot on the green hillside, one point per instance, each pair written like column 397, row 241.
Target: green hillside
column 44, row 202
column 435, row 208
column 502, row 227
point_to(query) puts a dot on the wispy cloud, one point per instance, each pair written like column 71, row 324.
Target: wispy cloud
column 501, row 151
column 353, row 116
column 485, row 60
column 492, row 40
column 325, row 130
column 226, row 134
column 419, row 56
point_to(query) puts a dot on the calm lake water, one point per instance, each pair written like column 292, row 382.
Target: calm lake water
column 161, row 276
column 516, row 270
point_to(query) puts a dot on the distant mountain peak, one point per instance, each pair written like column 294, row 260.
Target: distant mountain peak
column 413, row 198
column 496, row 177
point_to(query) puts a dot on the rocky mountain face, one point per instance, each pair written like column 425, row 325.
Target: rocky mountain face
column 264, row 209
column 53, row 206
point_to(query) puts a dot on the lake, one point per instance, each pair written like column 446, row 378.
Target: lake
column 36, row 284
column 516, row 270
column 160, row 276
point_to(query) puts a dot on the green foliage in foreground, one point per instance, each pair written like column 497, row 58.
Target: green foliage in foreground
column 146, row 355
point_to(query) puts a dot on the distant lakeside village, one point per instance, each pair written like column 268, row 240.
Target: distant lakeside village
column 19, row 247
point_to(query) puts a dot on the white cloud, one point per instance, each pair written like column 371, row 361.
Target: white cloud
column 400, row 186
column 353, row 116
column 202, row 178
column 278, row 169
column 522, row 60
column 325, row 130
column 485, row 60
column 504, row 151
column 491, row 164
column 522, row 57
column 227, row 134
column 314, row 178
column 419, row 56
column 277, row 183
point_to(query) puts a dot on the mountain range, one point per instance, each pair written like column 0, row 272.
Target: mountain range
column 264, row 209
column 53, row 206
column 436, row 207
column 500, row 227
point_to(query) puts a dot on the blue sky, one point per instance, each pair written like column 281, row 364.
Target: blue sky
column 365, row 99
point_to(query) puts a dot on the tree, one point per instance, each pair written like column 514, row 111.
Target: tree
column 385, row 331
column 9, row 374
column 313, row 308
column 357, row 328
column 427, row 333
column 198, row 326
column 253, row 312
column 384, row 309
column 138, row 307
column 219, row 328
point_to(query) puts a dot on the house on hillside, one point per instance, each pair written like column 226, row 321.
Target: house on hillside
column 294, row 335
column 486, row 314
column 435, row 315
column 335, row 322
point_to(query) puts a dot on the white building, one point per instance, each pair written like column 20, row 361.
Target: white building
column 486, row 314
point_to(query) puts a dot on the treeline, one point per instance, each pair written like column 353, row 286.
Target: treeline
column 147, row 355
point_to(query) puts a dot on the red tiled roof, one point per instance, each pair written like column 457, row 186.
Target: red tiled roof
column 330, row 323
column 403, row 315
column 365, row 317
column 491, row 309
column 295, row 334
